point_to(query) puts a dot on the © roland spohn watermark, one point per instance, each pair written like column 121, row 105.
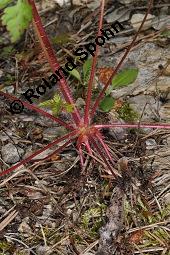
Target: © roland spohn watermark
column 83, row 54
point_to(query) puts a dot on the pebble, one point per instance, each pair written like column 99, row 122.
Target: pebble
column 151, row 144
column 137, row 19
column 11, row 153
column 167, row 198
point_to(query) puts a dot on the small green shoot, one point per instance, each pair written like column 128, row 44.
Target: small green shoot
column 76, row 74
column 83, row 79
column 4, row 3
column 16, row 18
column 86, row 70
column 57, row 105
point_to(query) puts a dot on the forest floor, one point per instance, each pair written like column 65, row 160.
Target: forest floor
column 52, row 206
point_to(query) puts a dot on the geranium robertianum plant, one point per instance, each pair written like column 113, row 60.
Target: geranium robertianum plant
column 82, row 129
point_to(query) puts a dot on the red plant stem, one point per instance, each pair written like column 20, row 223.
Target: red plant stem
column 49, row 52
column 92, row 73
column 32, row 107
column 133, row 125
column 88, row 147
column 102, row 156
column 9, row 170
column 105, row 147
column 100, row 96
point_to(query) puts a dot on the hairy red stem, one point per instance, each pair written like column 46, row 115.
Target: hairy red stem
column 49, row 52
column 102, row 156
column 100, row 138
column 133, row 125
column 92, row 73
column 100, row 96
column 9, row 170
column 32, row 107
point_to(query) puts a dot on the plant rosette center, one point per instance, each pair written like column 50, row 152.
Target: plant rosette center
column 85, row 132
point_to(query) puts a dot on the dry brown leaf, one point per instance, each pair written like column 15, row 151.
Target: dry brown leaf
column 136, row 237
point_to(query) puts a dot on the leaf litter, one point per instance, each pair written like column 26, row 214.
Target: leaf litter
column 72, row 212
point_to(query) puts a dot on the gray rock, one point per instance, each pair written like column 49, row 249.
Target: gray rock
column 52, row 133
column 118, row 133
column 151, row 106
column 167, row 198
column 137, row 19
column 11, row 153
column 151, row 144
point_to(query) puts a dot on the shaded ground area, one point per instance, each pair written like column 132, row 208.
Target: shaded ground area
column 52, row 206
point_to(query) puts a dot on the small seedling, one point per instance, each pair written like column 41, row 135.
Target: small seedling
column 57, row 105
column 16, row 18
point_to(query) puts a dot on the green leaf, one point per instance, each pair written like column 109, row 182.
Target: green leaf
column 107, row 104
column 17, row 19
column 125, row 78
column 86, row 69
column 68, row 107
column 75, row 74
column 4, row 3
column 57, row 104
column 122, row 79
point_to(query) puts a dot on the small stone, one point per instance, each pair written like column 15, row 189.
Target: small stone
column 117, row 132
column 137, row 19
column 126, row 1
column 80, row 102
column 24, row 228
column 11, row 153
column 162, row 87
column 1, row 73
column 63, row 2
column 42, row 250
column 167, row 198
column 151, row 144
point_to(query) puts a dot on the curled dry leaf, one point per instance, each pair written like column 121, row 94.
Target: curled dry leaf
column 136, row 237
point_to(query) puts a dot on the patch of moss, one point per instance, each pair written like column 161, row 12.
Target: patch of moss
column 5, row 248
column 7, row 52
column 127, row 113
column 92, row 219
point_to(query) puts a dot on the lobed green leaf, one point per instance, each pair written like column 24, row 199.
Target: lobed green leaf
column 4, row 3
column 17, row 18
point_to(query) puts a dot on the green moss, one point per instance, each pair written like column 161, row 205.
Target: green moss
column 127, row 113
column 5, row 248
column 92, row 219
